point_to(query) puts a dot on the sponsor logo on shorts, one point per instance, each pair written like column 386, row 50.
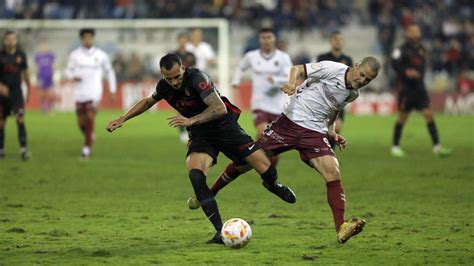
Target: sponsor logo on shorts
column 272, row 134
column 251, row 147
column 327, row 142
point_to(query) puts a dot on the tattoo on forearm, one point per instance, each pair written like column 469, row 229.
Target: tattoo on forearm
column 215, row 109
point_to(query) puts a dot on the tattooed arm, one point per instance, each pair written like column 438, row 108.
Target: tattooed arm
column 215, row 110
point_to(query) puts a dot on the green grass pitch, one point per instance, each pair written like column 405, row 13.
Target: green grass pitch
column 127, row 204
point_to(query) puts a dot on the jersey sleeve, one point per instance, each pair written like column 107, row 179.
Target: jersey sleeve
column 210, row 54
column 243, row 65
column 71, row 66
column 24, row 63
column 321, row 70
column 157, row 94
column 109, row 70
column 201, row 82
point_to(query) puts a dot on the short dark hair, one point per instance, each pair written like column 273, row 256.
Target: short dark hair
column 334, row 33
column 266, row 30
column 169, row 60
column 85, row 31
column 9, row 32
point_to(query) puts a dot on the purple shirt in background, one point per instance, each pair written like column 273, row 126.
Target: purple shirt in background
column 45, row 62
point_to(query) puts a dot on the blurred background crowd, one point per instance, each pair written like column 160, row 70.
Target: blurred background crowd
column 447, row 25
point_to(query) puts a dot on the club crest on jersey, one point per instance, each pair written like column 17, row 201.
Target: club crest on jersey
column 18, row 60
column 276, row 63
column 316, row 66
column 203, row 85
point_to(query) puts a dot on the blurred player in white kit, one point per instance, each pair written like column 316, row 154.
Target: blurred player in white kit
column 270, row 68
column 86, row 67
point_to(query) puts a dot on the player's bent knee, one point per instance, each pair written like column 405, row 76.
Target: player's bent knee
column 200, row 161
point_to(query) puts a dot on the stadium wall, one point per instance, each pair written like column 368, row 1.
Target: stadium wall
column 369, row 103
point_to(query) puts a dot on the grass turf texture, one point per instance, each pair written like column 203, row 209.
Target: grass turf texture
column 127, row 204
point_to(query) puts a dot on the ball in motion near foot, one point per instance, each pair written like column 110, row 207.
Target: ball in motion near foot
column 236, row 233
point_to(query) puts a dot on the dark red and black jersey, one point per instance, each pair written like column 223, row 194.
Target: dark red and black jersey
column 343, row 58
column 11, row 69
column 188, row 100
column 413, row 56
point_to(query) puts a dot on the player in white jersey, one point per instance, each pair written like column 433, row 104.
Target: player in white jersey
column 307, row 125
column 86, row 67
column 205, row 55
column 270, row 67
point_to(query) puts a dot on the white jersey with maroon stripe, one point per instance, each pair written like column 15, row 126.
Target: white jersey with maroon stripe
column 266, row 93
column 323, row 93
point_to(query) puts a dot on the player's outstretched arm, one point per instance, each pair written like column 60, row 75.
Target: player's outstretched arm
column 340, row 140
column 215, row 110
column 295, row 72
column 140, row 107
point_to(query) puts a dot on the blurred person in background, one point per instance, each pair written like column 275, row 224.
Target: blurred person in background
column 189, row 60
column 44, row 60
column 270, row 68
column 13, row 70
column 409, row 62
column 135, row 68
column 205, row 55
column 86, row 67
column 336, row 55
column 120, row 66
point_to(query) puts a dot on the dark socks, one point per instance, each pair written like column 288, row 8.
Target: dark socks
column 433, row 132
column 22, row 135
column 205, row 198
column 270, row 176
column 397, row 133
column 2, row 138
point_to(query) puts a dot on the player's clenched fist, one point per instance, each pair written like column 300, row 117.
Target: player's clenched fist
column 288, row 88
column 114, row 124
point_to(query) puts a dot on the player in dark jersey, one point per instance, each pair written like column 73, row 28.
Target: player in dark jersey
column 189, row 60
column 13, row 69
column 211, row 121
column 337, row 42
column 409, row 62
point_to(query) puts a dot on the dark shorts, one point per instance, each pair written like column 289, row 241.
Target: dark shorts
column 85, row 107
column 260, row 117
column 416, row 99
column 284, row 135
column 9, row 106
column 231, row 140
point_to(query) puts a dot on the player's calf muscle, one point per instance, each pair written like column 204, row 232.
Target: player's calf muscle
column 258, row 161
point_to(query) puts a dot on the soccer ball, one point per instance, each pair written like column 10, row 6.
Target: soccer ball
column 236, row 233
